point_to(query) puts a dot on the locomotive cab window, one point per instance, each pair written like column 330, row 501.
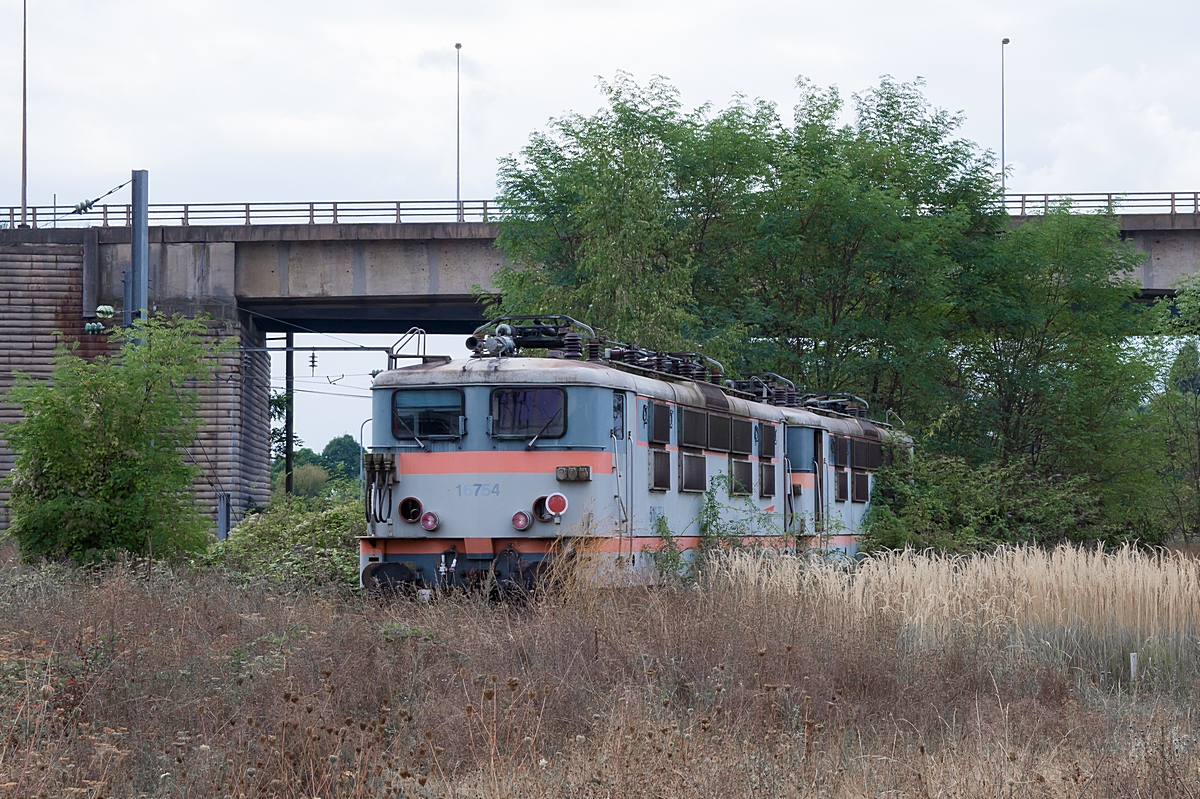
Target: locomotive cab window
column 528, row 412
column 427, row 413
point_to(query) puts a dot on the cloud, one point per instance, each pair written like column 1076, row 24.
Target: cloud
column 1119, row 132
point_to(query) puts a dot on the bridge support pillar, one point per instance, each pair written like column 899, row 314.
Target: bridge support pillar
column 43, row 285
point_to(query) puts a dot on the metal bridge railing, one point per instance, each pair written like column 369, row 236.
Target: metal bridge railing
column 1134, row 202
column 300, row 213
column 390, row 211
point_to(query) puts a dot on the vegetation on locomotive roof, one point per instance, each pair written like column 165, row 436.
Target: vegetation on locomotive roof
column 862, row 248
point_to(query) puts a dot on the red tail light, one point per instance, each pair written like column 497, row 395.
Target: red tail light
column 521, row 520
column 556, row 504
column 430, row 521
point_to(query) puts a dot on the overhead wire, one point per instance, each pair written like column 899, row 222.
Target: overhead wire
column 86, row 205
column 330, row 393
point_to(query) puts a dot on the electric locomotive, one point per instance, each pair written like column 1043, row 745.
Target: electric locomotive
column 488, row 467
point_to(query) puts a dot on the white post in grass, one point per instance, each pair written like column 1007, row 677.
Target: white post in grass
column 1133, row 659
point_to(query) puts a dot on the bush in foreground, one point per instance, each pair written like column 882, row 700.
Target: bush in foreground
column 298, row 541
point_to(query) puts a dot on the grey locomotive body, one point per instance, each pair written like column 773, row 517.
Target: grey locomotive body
column 495, row 464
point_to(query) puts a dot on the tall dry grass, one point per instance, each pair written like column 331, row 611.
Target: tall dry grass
column 1087, row 609
column 912, row 675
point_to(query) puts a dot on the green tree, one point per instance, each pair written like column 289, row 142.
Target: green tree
column 342, row 457
column 278, row 404
column 607, row 216
column 300, row 457
column 1176, row 409
column 871, row 257
column 857, row 231
column 1044, row 434
column 1177, row 413
column 101, row 463
column 309, row 480
column 1042, row 366
column 820, row 251
column 948, row 503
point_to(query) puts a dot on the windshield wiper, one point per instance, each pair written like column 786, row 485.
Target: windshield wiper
column 412, row 433
column 545, row 427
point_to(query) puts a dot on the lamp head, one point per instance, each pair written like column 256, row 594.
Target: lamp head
column 458, row 45
column 1004, row 40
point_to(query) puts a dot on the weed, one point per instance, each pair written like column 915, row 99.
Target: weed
column 766, row 675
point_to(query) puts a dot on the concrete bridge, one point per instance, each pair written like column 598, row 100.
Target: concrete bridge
column 1163, row 225
column 336, row 267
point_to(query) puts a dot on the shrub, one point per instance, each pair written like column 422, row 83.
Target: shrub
column 308, row 480
column 296, row 541
column 100, row 453
column 945, row 502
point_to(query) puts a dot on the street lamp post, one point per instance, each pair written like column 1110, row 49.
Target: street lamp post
column 1003, row 162
column 458, row 129
column 24, row 50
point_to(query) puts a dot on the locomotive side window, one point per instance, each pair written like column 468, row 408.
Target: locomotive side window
column 426, row 413
column 693, row 428
column 742, row 474
column 743, row 436
column 860, row 489
column 692, row 476
column 766, row 443
column 861, row 458
column 527, row 412
column 874, row 455
column 766, row 480
column 719, row 433
column 800, row 450
column 841, row 491
column 618, row 428
column 839, row 450
column 660, row 470
column 660, row 423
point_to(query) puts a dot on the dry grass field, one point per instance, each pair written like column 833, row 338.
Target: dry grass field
column 994, row 676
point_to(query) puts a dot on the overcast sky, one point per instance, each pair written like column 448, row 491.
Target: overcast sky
column 298, row 100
